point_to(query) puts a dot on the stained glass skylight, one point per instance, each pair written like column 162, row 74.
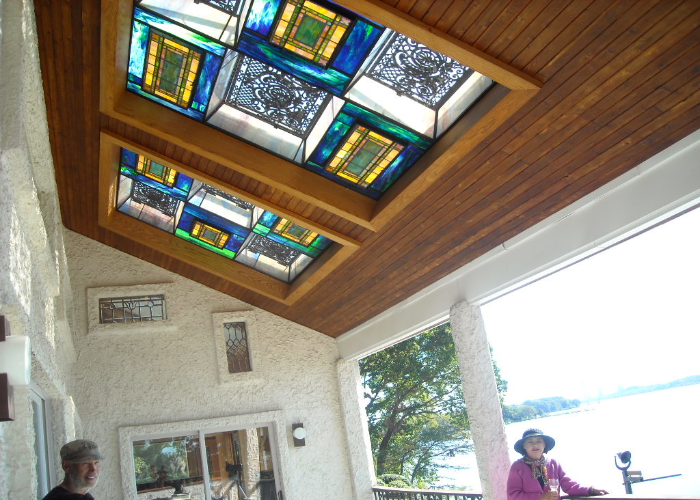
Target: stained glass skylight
column 212, row 219
column 309, row 81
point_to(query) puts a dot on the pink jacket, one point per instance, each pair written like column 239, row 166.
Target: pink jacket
column 522, row 486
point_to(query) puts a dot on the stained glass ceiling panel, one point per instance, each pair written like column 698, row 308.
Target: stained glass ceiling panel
column 309, row 81
column 212, row 219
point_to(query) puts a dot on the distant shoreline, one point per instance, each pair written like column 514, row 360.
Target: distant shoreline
column 634, row 390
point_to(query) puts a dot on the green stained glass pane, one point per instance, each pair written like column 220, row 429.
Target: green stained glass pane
column 156, row 169
column 172, row 65
column 364, row 157
column 210, row 235
column 310, row 30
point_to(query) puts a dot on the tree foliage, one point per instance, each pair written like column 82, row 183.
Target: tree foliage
column 535, row 408
column 415, row 405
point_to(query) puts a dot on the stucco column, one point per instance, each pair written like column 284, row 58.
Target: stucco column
column 356, row 430
column 481, row 396
column 251, row 463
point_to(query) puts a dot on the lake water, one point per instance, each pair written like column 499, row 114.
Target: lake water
column 659, row 428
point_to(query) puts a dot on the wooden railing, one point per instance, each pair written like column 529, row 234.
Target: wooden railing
column 382, row 493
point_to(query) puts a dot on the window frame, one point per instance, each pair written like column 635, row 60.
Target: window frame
column 273, row 420
column 248, row 318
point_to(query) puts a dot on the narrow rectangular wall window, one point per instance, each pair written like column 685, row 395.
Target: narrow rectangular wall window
column 236, row 340
column 132, row 309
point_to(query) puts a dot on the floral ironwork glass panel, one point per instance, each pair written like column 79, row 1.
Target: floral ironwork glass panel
column 412, row 69
column 274, row 96
column 236, row 339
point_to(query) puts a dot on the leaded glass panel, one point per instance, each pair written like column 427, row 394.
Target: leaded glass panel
column 236, row 339
column 132, row 309
column 310, row 30
column 364, row 156
column 171, row 69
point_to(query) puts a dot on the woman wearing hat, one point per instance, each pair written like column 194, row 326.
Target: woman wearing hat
column 529, row 477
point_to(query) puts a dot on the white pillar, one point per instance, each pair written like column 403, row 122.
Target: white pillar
column 481, row 396
column 356, row 430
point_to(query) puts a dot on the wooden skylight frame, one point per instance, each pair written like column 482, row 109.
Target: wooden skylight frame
column 113, row 220
column 512, row 91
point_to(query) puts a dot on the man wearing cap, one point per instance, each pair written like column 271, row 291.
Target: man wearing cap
column 80, row 460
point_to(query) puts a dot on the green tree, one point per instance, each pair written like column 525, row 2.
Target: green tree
column 415, row 406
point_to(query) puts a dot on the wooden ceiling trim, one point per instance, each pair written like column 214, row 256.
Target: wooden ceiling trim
column 207, row 261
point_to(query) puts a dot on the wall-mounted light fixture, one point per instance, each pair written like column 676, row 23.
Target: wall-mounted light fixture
column 15, row 367
column 299, row 434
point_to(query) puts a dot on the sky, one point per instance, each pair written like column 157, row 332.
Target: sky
column 627, row 316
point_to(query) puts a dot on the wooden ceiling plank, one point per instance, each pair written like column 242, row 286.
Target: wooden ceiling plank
column 595, row 73
column 482, row 23
column 442, row 14
column 497, row 28
column 514, row 34
column 465, row 20
column 49, row 79
column 550, row 32
column 420, row 8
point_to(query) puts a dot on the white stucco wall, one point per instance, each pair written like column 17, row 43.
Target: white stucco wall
column 34, row 292
column 130, row 375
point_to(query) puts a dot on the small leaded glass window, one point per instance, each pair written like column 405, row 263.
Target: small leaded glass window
column 171, row 69
column 310, row 30
column 236, row 340
column 132, row 309
column 364, row 156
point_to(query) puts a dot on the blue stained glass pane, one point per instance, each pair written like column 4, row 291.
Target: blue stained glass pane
column 191, row 112
column 184, row 183
column 267, row 219
column 180, row 32
column 234, row 243
column 137, row 56
column 387, row 126
column 358, row 44
column 207, row 77
column 261, row 15
column 402, row 163
column 129, row 157
column 329, row 79
column 331, row 140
